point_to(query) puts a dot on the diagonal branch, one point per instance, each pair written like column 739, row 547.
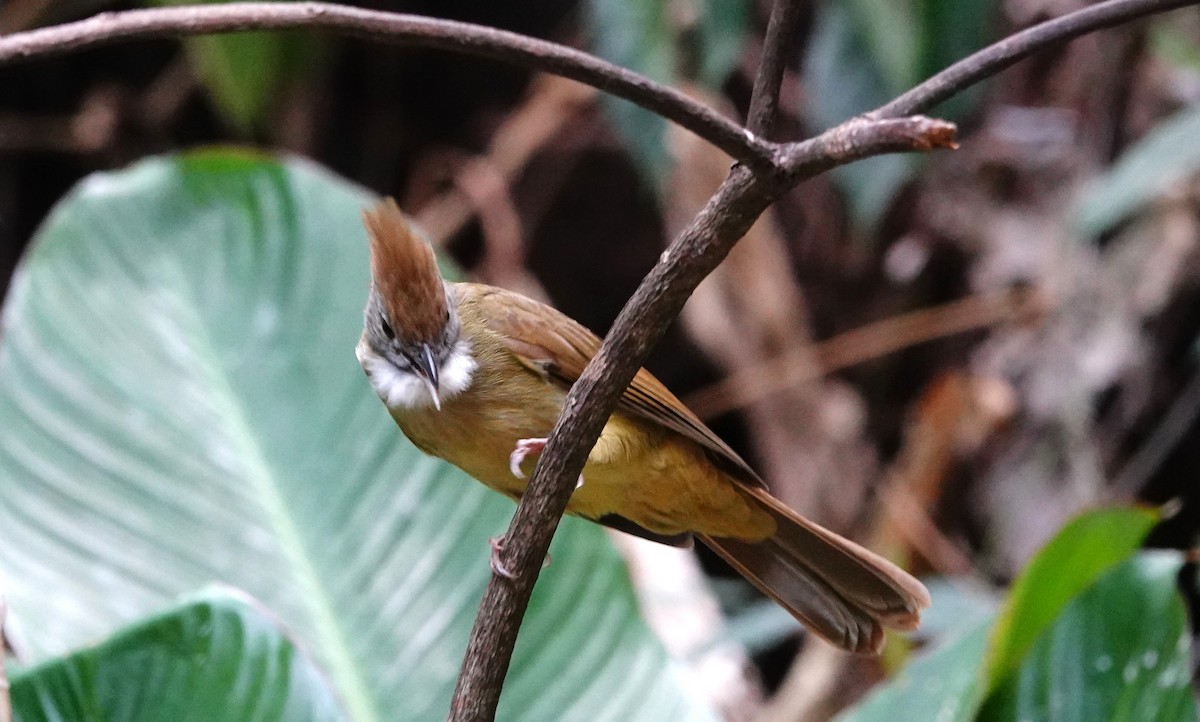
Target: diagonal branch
column 410, row 30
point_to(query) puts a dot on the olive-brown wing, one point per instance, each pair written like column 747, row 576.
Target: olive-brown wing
column 554, row 345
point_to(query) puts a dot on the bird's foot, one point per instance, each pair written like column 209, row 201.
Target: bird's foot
column 524, row 448
column 497, row 544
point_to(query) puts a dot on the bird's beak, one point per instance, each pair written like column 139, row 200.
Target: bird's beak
column 428, row 370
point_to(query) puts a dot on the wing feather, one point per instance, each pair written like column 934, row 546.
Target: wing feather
column 556, row 346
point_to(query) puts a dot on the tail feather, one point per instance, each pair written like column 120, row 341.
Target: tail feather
column 836, row 588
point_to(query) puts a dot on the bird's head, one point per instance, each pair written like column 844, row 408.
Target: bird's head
column 411, row 346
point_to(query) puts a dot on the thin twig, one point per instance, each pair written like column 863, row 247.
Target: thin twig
column 781, row 37
column 863, row 137
column 1000, row 55
column 411, row 30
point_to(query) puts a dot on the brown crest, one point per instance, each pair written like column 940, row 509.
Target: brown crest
column 405, row 274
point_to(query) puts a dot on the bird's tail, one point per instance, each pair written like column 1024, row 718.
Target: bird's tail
column 836, row 588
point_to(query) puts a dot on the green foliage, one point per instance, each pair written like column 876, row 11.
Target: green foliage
column 181, row 405
column 635, row 34
column 1091, row 631
column 844, row 76
column 721, row 27
column 1079, row 554
column 216, row 658
column 1118, row 652
column 244, row 72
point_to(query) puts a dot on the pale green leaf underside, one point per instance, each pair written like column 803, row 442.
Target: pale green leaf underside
column 181, row 405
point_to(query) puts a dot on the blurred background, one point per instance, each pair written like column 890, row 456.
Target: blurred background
column 945, row 356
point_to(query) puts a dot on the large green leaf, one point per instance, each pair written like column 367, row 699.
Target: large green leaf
column 1055, row 643
column 181, row 404
column 1119, row 652
column 1079, row 554
column 217, row 659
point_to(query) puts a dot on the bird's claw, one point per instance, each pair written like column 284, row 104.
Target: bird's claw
column 524, row 448
column 497, row 544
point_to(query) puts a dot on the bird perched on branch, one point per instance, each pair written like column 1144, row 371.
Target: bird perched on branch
column 477, row 376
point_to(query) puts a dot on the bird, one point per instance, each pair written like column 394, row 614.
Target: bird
column 477, row 375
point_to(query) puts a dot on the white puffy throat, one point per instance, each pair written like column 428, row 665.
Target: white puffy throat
column 399, row 389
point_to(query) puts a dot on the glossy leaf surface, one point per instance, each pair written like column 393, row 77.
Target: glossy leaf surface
column 217, row 659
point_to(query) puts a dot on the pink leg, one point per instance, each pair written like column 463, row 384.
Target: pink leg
column 524, row 448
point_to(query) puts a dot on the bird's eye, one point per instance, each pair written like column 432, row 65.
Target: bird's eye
column 387, row 330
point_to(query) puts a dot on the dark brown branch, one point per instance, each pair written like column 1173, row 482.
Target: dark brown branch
column 781, row 37
column 861, row 137
column 412, row 30
column 1000, row 55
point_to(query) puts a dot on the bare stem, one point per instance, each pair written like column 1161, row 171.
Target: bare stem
column 411, row 30
column 781, row 37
